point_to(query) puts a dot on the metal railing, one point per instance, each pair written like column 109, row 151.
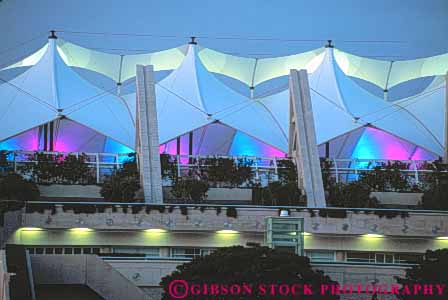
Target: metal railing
column 265, row 169
column 346, row 170
column 103, row 164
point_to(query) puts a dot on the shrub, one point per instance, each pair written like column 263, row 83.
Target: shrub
column 436, row 195
column 15, row 187
column 387, row 177
column 190, row 189
column 168, row 166
column 228, row 172
column 252, row 266
column 122, row 185
column 74, row 170
column 60, row 169
column 232, row 212
column 353, row 194
column 281, row 193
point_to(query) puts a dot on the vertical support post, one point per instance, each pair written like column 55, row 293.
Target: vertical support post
column 417, row 181
column 302, row 139
column 45, row 137
column 178, row 145
column 51, row 139
column 336, row 170
column 148, row 136
column 190, row 147
column 327, row 150
column 97, row 159
column 445, row 156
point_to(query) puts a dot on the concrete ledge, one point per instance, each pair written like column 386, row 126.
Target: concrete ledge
column 70, row 191
column 219, row 194
column 398, row 199
column 248, row 219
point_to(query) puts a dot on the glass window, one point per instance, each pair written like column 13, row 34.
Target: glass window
column 87, row 251
column 379, row 258
column 148, row 252
column 68, row 250
column 365, row 257
column 49, row 250
column 39, row 250
column 57, row 250
column 31, row 250
column 405, row 258
column 190, row 252
column 285, row 233
column 77, row 250
column 95, row 250
column 389, row 258
column 316, row 256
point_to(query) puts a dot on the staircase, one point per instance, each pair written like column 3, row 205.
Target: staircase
column 88, row 270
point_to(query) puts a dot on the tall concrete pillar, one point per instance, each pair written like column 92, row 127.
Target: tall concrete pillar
column 302, row 139
column 147, row 142
column 445, row 156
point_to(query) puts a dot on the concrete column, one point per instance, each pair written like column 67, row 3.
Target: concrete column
column 445, row 156
column 148, row 136
column 302, row 139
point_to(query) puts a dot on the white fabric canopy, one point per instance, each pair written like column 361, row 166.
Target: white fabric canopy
column 341, row 106
column 189, row 97
column 50, row 90
column 250, row 71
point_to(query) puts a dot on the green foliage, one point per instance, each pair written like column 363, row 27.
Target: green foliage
column 168, row 166
column 15, row 187
column 122, row 185
column 253, row 266
column 387, row 178
column 227, row 172
column 354, row 194
column 3, row 160
column 190, row 189
column 332, row 213
column 431, row 269
column 279, row 193
column 60, row 169
column 231, row 212
column 283, row 192
column 7, row 206
column 325, row 166
column 435, row 197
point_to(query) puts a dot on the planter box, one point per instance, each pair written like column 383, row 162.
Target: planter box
column 397, row 199
column 219, row 194
column 70, row 191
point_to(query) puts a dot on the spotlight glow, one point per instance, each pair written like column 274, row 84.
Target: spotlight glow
column 155, row 230
column 81, row 229
column 227, row 231
column 373, row 235
column 31, row 229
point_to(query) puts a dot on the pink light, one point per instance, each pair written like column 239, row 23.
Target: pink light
column 421, row 154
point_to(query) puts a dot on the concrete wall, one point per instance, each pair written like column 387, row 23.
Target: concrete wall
column 398, row 199
column 249, row 219
column 86, row 270
column 70, row 191
column 4, row 276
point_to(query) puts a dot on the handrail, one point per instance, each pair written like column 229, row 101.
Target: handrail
column 332, row 263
